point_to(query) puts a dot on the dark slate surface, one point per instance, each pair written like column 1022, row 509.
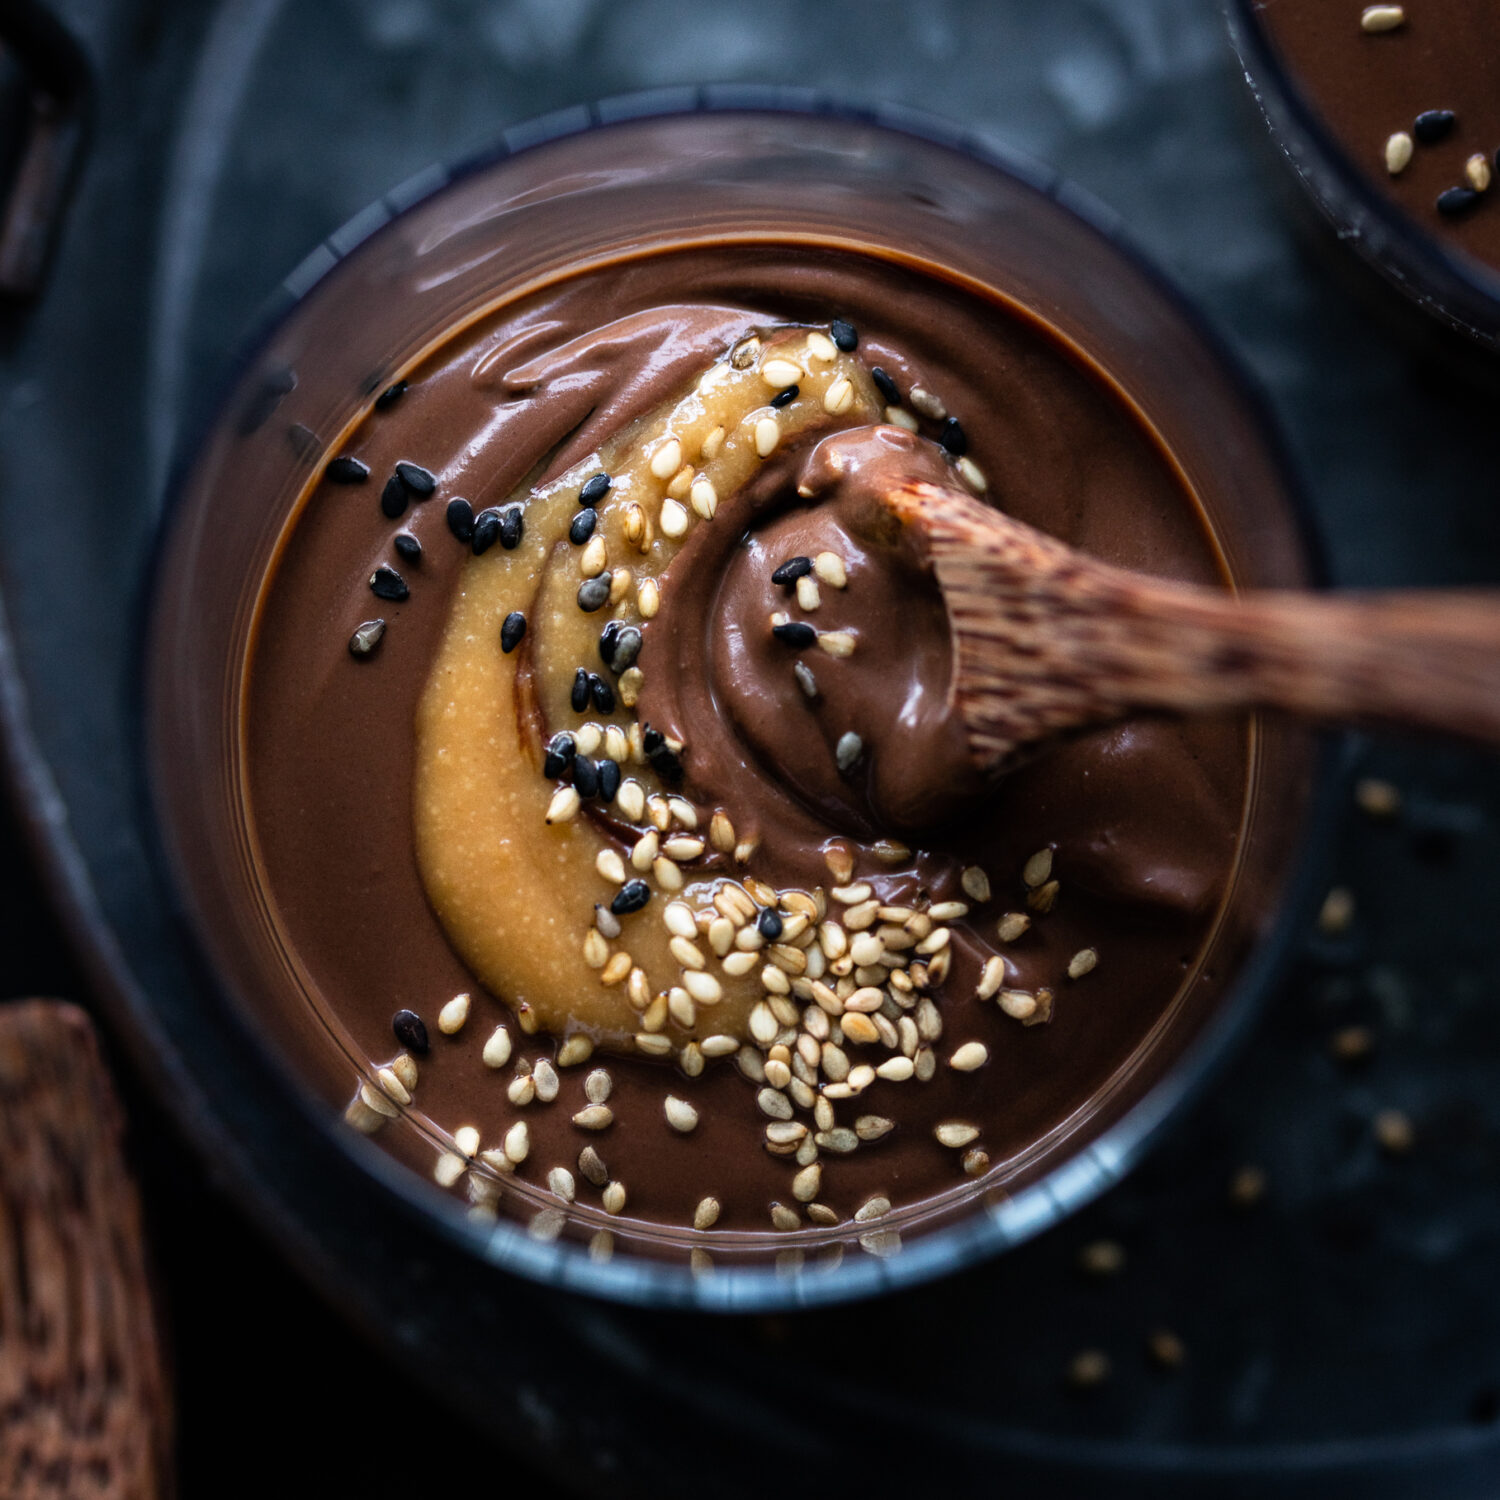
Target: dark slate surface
column 1357, row 1301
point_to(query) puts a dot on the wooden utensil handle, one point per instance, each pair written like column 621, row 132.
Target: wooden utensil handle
column 1427, row 660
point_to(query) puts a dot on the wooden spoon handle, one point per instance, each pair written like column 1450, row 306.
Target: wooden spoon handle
column 1048, row 640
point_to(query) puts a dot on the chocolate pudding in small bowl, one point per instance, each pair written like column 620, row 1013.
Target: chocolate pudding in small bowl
column 554, row 744
column 1389, row 116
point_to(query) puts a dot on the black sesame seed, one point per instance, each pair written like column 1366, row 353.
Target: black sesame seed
column 461, row 519
column 387, row 583
column 579, row 697
column 486, row 531
column 421, row 482
column 408, row 546
column 886, row 386
column 593, row 593
column 1433, row 125
column 393, row 498
column 652, row 740
column 411, row 1031
column 595, row 489
column 1456, row 200
column 627, row 648
column 632, row 896
column 953, row 438
column 785, row 397
column 768, row 924
column 561, row 749
column 390, row 396
column 602, row 694
column 512, row 525
column 364, row 640
column 608, row 638
column 513, row 631
column 843, row 335
column 609, row 780
column 583, row 526
column 794, row 633
column 346, row 470
column 585, row 776
column 791, row 570
column 665, row 764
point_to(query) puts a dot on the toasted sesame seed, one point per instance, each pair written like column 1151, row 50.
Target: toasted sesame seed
column 668, row 874
column 683, row 849
column 594, row 1117
column 1083, row 962
column 838, row 643
column 1377, row 18
column 497, row 1049
column 681, row 1115
column 767, row 436
column 976, row 1162
column 808, row 597
column 976, row 884
column 1398, row 152
column 1012, row 925
column 1018, row 1004
column 703, row 987
column 648, row 598
column 898, row 416
column 1037, row 868
column 896, row 1069
column 969, row 1057
column 616, row 969
column 991, row 977
column 839, row 396
column 678, row 919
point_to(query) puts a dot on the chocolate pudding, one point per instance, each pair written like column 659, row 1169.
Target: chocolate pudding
column 732, row 640
column 1411, row 94
column 554, row 734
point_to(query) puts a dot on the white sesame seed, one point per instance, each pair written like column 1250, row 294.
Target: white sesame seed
column 927, row 403
column 575, row 1050
column 706, row 1215
column 806, row 1183
column 497, row 1049
column 720, row 1046
column 808, row 597
column 674, row 519
column 597, row 1086
column 687, row 953
column 405, row 1068
column 588, row 738
column 651, row 1045
column 1012, row 925
column 1018, row 1004
column 1377, row 18
column 774, row 1103
column 452, row 1016
column 711, row 444
column 594, row 557
column 767, row 436
column 992, row 977
column 972, row 475
column 1038, row 868
column 681, row 1115
column 619, row 584
column 668, row 876
column 736, row 964
column 616, row 746
column 393, row 1086
column 955, row 1133
column 448, row 1169
column 703, row 987
column 1477, row 172
column 684, row 850
column 829, row 566
column 609, row 864
column 839, row 396
column 704, row 498
column 837, row 642
column 594, row 1117
column 616, row 969
column 1398, row 152
column 821, row 347
column 521, row 1090
column 970, row 1056
column 560, row 1181
column 780, row 373
column 564, row 805
column 613, row 1198
column 544, row 1075
column 976, row 884
column 899, row 417
column 667, row 459
column 1082, row 962
column 517, row 1142
column 648, row 598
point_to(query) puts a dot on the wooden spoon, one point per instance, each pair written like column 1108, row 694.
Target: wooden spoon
column 1049, row 640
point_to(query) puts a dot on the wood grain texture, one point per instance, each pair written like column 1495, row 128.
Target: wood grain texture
column 85, row 1409
column 1048, row 640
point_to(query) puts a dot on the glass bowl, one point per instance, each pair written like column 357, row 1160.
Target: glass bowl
column 454, row 241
